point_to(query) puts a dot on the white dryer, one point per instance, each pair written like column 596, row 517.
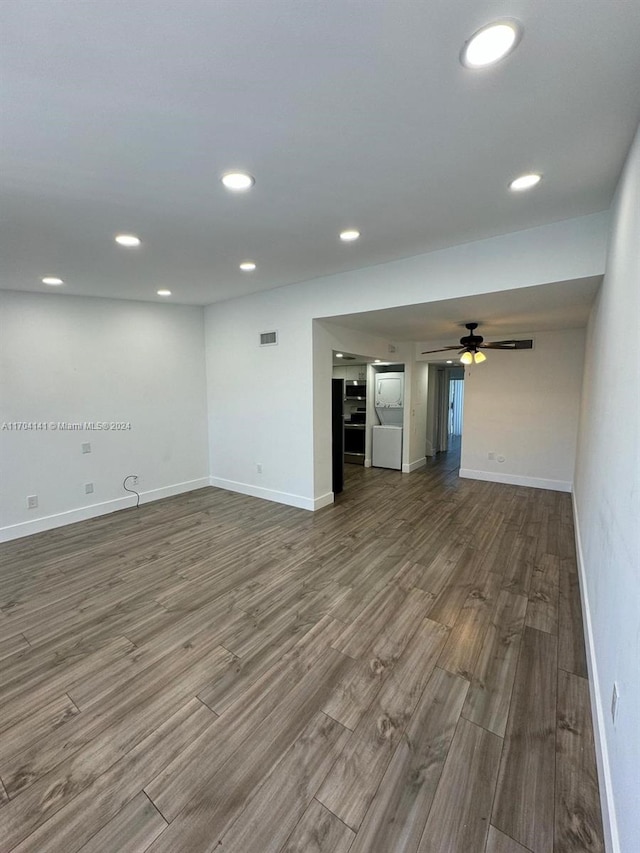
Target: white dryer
column 389, row 398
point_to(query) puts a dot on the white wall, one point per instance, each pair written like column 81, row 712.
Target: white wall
column 271, row 407
column 418, row 415
column 607, row 506
column 432, row 403
column 74, row 359
column 524, row 406
column 260, row 398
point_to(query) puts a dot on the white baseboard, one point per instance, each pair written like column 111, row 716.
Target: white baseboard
column 324, row 500
column 367, row 463
column 271, row 494
column 70, row 516
column 517, row 480
column 607, row 803
column 414, row 466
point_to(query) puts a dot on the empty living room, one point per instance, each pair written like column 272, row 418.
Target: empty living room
column 319, row 426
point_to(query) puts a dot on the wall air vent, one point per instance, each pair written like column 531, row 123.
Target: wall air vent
column 268, row 339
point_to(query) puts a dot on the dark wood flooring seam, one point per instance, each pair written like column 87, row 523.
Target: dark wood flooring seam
column 79, row 710
column 155, row 807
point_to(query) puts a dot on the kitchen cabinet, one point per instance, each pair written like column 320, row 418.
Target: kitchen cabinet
column 351, row 372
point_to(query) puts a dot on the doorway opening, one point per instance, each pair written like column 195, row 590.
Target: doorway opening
column 456, row 402
column 445, row 410
column 348, row 414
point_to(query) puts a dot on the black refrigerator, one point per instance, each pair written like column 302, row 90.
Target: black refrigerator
column 337, row 434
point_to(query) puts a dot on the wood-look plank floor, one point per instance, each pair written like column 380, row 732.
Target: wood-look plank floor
column 401, row 672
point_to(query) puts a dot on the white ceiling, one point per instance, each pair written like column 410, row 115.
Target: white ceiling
column 559, row 305
column 120, row 116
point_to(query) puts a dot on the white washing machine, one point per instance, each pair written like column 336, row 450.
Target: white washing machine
column 386, row 449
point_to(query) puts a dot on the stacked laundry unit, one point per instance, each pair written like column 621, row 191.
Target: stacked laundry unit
column 386, row 451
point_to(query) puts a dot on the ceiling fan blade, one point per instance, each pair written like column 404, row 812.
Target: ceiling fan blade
column 442, row 349
column 523, row 344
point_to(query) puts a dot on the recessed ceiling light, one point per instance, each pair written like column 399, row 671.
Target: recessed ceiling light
column 238, row 181
column 490, row 44
column 525, row 182
column 248, row 266
column 163, row 292
column 350, row 235
column 52, row 280
column 377, row 361
column 128, row 240
column 339, row 355
column 449, row 361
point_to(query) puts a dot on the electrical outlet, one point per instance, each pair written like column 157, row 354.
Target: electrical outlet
column 259, row 467
column 86, row 447
column 32, row 502
column 614, row 702
column 134, row 480
column 88, row 488
column 492, row 455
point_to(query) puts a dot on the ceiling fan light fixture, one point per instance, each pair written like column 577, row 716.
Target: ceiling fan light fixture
column 470, row 346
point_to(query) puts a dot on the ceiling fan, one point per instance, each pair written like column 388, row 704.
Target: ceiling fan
column 472, row 344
